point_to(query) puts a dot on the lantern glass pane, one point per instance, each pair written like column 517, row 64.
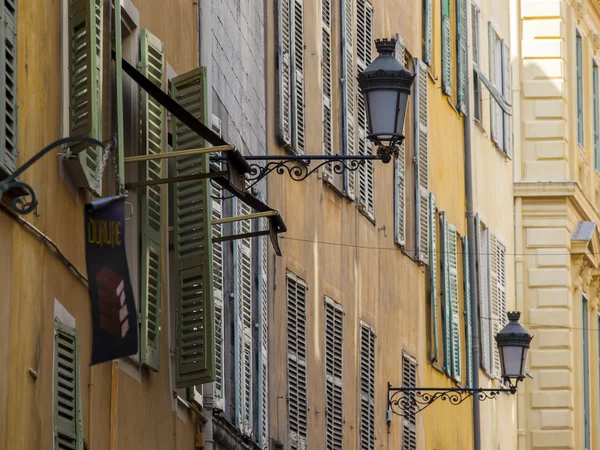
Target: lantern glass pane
column 382, row 109
column 401, row 113
column 512, row 357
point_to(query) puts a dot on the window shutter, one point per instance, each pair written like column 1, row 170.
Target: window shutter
column 400, row 170
column 475, row 35
column 422, row 166
column 118, row 44
column 298, row 138
column 495, row 56
column 334, row 332
column 483, row 262
column 446, row 315
column 409, row 421
column 296, row 362
column 348, row 91
column 8, row 94
column 462, row 54
column 85, row 65
column 433, row 274
column 195, row 339
column 579, row 87
column 428, row 31
column 263, row 338
column 507, row 91
column 285, row 72
column 367, row 387
column 498, row 288
column 446, row 49
column 467, row 289
column 153, row 138
column 327, row 83
column 454, row 306
column 68, row 421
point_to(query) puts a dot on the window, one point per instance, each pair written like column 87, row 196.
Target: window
column 367, row 387
column 596, row 118
column 334, row 410
column 500, row 91
column 296, row 362
column 348, row 93
column 8, row 94
column 485, row 306
column 579, row 87
column 476, row 46
column 291, row 75
column 498, row 291
column 585, row 361
column 427, row 31
column 409, row 421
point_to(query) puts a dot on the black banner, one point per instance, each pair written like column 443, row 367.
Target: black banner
column 114, row 320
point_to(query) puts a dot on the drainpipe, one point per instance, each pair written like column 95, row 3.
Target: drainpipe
column 471, row 233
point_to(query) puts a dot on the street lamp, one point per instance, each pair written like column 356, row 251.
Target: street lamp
column 513, row 343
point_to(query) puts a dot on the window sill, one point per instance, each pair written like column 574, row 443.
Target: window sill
column 479, row 125
column 449, row 98
column 365, row 213
column 502, row 152
column 330, row 183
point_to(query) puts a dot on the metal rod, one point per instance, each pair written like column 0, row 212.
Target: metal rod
column 235, row 237
column 305, row 158
column 245, row 217
column 198, row 176
column 466, row 390
column 177, row 154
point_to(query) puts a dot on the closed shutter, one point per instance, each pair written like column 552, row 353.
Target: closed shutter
column 153, row 137
column 285, row 72
column 299, row 132
column 367, row 388
column 475, row 35
column 263, row 339
column 348, row 93
column 296, row 362
column 8, row 94
column 446, row 49
column 454, row 306
column 446, row 309
column 483, row 270
column 334, row 332
column 507, row 91
column 498, row 289
column 85, row 66
column 327, row 83
column 461, row 15
column 400, row 171
column 68, row 422
column 422, row 166
column 409, row 421
column 366, row 171
column 428, row 31
column 195, row 340
column 467, row 292
column 433, row 258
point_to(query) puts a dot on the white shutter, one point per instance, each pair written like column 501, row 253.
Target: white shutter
column 409, row 421
column 498, row 282
column 422, row 163
column 296, row 362
column 475, row 35
column 483, row 267
column 507, row 91
column 433, row 259
column 299, row 119
column 327, row 84
column 348, row 93
column 454, row 306
column 367, row 387
column 495, row 56
column 263, row 338
column 285, row 72
column 400, row 171
column 334, row 412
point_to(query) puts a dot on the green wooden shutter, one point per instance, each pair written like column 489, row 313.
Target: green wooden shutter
column 433, row 257
column 427, row 31
column 85, row 66
column 327, row 83
column 8, row 94
column 152, row 63
column 446, row 316
column 446, row 49
column 400, row 170
column 467, row 292
column 195, row 338
column 461, row 28
column 422, row 163
column 454, row 300
column 285, row 72
column 68, row 422
column 298, row 97
column 348, row 93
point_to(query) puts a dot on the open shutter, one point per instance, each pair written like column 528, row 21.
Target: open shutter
column 461, row 14
column 507, row 91
column 400, row 170
column 446, row 49
column 427, row 31
column 446, row 322
column 327, row 83
column 68, row 422
column 296, row 362
column 496, row 80
column 475, row 35
column 263, row 338
column 348, row 93
column 367, row 387
column 195, row 339
column 409, row 420
column 422, row 166
column 433, row 258
column 285, row 72
column 118, row 47
column 454, row 306
column 299, row 119
column 85, row 66
column 8, row 94
column 498, row 289
column 483, row 271
column 153, row 137
column 467, row 291
column 334, row 412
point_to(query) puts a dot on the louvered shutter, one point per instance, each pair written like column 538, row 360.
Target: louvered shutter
column 334, row 331
column 483, row 263
column 409, row 421
column 366, row 171
column 153, row 137
column 400, row 170
column 296, row 362
column 299, row 119
column 498, row 289
column 242, row 280
column 428, row 31
column 8, row 94
column 446, row 310
column 433, row 258
column 263, row 338
column 422, row 166
column 348, row 93
column 285, row 72
column 118, row 44
column 454, row 300
column 195, row 338
column 327, row 83
column 507, row 91
column 461, row 14
column 367, row 387
column 68, row 421
column 467, row 292
column 475, row 35
column 85, row 67
column 496, row 79
column 446, row 49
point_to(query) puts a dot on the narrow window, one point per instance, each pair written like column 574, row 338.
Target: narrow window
column 579, row 70
column 585, row 361
column 595, row 100
column 485, row 307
